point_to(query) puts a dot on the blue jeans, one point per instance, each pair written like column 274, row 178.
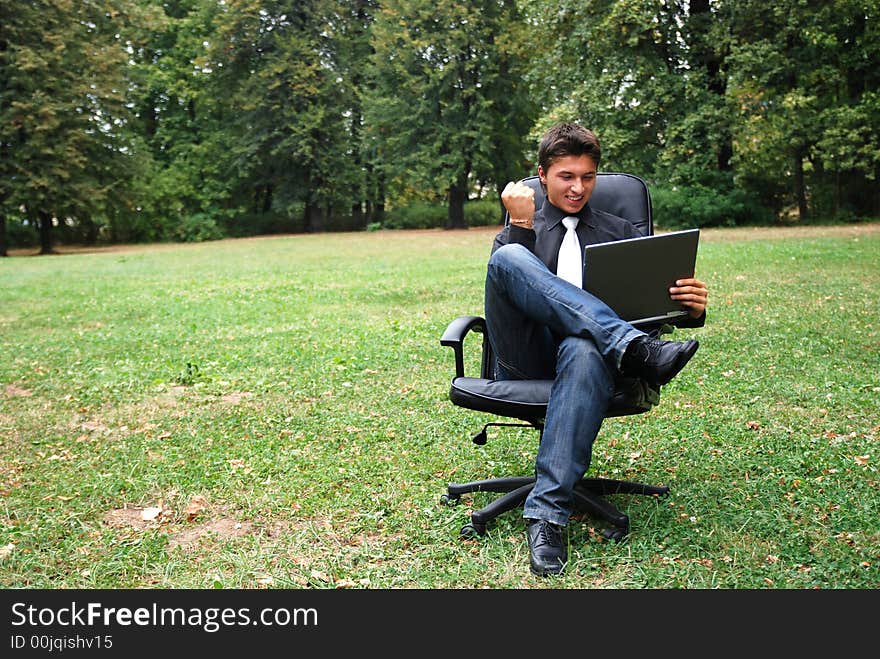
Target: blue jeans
column 542, row 327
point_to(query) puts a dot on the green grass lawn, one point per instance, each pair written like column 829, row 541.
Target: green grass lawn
column 273, row 413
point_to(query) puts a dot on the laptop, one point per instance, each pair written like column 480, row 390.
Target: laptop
column 633, row 276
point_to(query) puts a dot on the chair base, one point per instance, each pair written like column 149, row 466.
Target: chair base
column 589, row 496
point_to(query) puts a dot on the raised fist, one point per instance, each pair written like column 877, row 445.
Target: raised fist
column 519, row 200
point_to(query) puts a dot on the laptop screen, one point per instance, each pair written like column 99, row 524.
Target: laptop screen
column 633, row 276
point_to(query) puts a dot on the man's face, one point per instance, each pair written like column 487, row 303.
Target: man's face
column 569, row 182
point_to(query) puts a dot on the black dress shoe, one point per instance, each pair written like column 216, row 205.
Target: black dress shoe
column 655, row 360
column 547, row 552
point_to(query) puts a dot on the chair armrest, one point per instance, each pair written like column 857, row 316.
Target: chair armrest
column 459, row 328
column 454, row 336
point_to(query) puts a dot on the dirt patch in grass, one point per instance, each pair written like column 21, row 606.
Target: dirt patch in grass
column 129, row 518
column 13, row 391
column 137, row 518
column 220, row 529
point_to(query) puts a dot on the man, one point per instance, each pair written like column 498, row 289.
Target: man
column 545, row 327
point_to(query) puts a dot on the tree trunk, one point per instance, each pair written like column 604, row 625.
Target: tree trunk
column 838, row 193
column 706, row 56
column 3, row 251
column 455, row 216
column 312, row 217
column 377, row 212
column 357, row 205
column 91, row 230
column 267, row 198
column 457, row 196
column 799, row 190
column 45, row 233
column 877, row 192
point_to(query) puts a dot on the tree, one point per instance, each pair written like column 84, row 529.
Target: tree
column 63, row 120
column 621, row 68
column 805, row 85
column 448, row 100
column 774, row 100
column 288, row 106
column 176, row 115
column 350, row 37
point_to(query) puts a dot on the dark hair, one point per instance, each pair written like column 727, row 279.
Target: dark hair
column 568, row 139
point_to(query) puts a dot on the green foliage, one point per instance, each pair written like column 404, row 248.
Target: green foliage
column 289, row 102
column 624, row 79
column 778, row 95
column 446, row 108
column 417, row 215
column 483, row 212
column 422, row 215
column 119, row 118
column 197, row 228
column 19, row 233
column 66, row 151
column 257, row 224
column 805, row 106
column 677, row 207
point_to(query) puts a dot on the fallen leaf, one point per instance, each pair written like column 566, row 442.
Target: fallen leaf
column 862, row 460
column 6, row 551
column 320, row 576
column 753, row 425
column 149, row 514
column 196, row 506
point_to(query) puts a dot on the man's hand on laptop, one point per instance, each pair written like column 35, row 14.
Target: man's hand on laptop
column 519, row 200
column 691, row 293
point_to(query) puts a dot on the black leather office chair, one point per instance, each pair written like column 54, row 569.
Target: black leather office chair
column 526, row 400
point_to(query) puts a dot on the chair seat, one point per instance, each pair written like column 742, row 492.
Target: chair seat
column 527, row 399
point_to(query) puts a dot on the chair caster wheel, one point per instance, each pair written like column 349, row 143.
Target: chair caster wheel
column 450, row 500
column 471, row 531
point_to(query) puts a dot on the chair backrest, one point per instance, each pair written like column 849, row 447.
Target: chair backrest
column 623, row 195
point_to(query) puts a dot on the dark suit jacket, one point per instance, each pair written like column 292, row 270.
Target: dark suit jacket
column 595, row 226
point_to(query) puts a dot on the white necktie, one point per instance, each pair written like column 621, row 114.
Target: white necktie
column 570, row 265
